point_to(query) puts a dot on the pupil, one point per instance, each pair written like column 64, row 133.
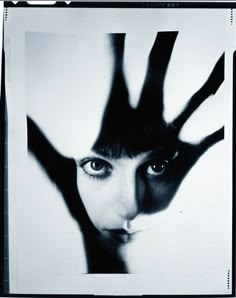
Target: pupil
column 96, row 165
column 157, row 168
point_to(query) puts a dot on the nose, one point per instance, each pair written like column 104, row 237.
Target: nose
column 128, row 196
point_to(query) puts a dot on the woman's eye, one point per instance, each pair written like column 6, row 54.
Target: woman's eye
column 97, row 168
column 156, row 168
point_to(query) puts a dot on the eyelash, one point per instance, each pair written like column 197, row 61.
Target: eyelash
column 105, row 167
column 161, row 168
column 160, row 163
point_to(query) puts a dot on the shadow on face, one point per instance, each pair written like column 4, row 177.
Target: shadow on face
column 115, row 190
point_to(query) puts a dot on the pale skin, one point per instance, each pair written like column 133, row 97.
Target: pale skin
column 115, row 185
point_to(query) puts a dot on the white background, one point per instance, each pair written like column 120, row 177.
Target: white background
column 187, row 248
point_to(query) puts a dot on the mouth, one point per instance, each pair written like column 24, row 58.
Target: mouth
column 121, row 235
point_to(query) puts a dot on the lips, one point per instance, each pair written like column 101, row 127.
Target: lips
column 121, row 235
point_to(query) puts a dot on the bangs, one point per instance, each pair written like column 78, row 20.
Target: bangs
column 117, row 150
column 131, row 143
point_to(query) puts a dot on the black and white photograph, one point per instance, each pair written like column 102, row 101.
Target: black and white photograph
column 119, row 150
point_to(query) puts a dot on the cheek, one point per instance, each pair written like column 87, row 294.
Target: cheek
column 158, row 196
column 99, row 197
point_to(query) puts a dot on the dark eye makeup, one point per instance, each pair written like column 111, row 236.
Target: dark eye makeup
column 155, row 168
column 96, row 167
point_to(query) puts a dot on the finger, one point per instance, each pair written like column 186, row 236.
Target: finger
column 60, row 170
column 48, row 157
column 209, row 88
column 192, row 152
column 119, row 93
column 151, row 100
column 118, row 108
column 210, row 140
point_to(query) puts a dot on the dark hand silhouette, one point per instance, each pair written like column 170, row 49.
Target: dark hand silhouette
column 130, row 131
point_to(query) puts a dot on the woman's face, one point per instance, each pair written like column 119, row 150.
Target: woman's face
column 114, row 191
